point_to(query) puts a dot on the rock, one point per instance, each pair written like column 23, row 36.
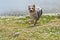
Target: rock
column 16, row 34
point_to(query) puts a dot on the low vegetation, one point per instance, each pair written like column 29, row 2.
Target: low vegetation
column 47, row 28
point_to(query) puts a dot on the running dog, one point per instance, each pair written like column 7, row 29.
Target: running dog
column 35, row 13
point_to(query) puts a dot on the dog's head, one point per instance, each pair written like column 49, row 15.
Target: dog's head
column 31, row 8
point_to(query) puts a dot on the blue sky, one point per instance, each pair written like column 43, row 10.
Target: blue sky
column 6, row 5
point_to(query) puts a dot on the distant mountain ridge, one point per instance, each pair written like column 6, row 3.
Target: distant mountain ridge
column 13, row 13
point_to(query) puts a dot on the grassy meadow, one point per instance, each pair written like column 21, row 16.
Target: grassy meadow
column 47, row 28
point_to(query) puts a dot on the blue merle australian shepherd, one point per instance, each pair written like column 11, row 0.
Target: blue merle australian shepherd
column 35, row 13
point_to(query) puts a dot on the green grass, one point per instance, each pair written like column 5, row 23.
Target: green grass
column 47, row 28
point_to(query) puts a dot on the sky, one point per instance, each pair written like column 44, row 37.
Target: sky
column 6, row 5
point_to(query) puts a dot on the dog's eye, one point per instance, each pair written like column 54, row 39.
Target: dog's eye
column 32, row 8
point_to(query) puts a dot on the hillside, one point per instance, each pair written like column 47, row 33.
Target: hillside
column 16, row 28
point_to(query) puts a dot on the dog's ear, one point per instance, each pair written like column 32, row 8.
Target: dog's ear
column 33, row 5
column 28, row 7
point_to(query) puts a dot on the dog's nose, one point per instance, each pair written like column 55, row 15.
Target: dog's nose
column 30, row 10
